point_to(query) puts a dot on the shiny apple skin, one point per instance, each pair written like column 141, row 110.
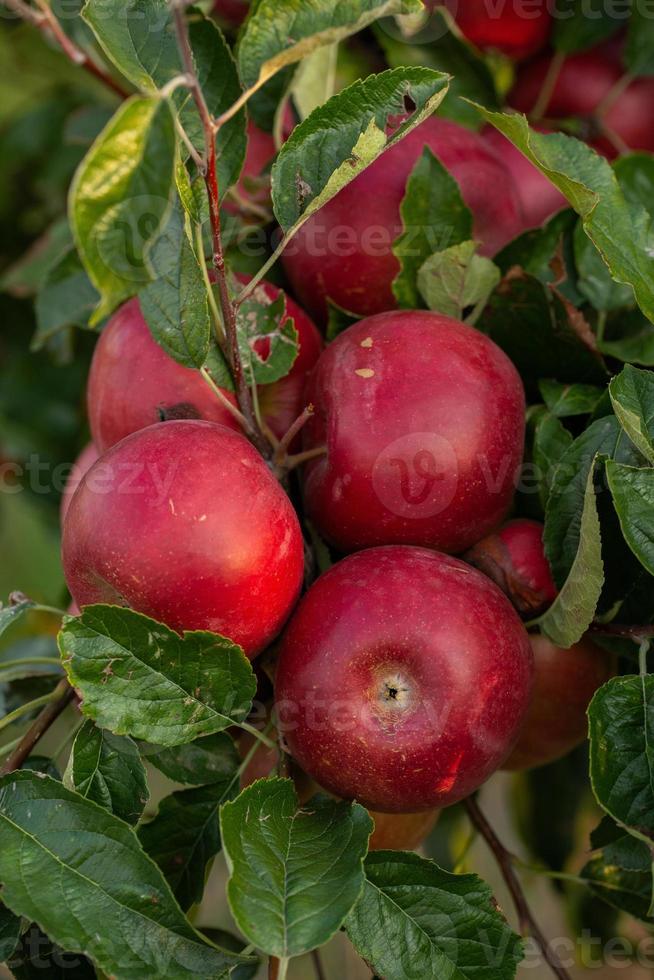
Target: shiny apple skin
column 403, row 679
column 344, row 252
column 423, row 420
column 514, row 558
column 82, row 465
column 184, row 522
column 517, row 28
column 539, row 198
column 564, row 684
column 133, row 382
column 585, row 80
column 401, row 831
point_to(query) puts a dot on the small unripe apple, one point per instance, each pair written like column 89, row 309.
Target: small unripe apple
column 584, row 83
column 82, row 464
column 564, row 684
column 183, row 521
column 401, row 831
column 134, row 383
column 403, row 679
column 517, row 28
column 539, row 198
column 345, row 251
column 422, row 418
column 514, row 557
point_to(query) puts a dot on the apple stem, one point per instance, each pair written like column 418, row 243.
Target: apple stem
column 61, row 697
column 209, row 172
column 527, row 923
column 281, row 453
column 635, row 633
column 47, row 23
column 260, row 736
column 292, row 462
column 548, row 86
column 317, row 965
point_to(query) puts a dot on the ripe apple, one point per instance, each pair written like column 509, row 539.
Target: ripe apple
column 401, row 831
column 134, row 383
column 344, row 252
column 403, row 679
column 423, row 422
column 82, row 464
column 515, row 559
column 231, row 12
column 183, row 521
column 539, row 198
column 585, row 81
column 517, row 28
column 564, row 684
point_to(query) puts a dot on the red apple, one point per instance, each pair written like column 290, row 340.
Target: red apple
column 585, row 81
column 539, row 198
column 134, row 383
column 344, row 252
column 82, row 464
column 423, row 422
column 401, row 831
column 564, row 684
column 403, row 679
column 184, row 522
column 231, row 12
column 517, row 28
column 514, row 558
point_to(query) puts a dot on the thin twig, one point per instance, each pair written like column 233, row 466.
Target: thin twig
column 548, row 87
column 63, row 695
column 527, row 923
column 317, row 965
column 45, row 20
column 292, row 462
column 210, row 174
column 635, row 633
column 281, row 453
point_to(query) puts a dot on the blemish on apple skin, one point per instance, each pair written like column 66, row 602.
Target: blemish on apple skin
column 365, row 372
column 367, row 343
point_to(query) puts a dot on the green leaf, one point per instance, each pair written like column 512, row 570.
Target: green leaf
column 119, row 201
column 184, row 836
column 632, row 397
column 139, row 678
column 227, row 940
column 635, row 173
column 551, row 441
column 107, row 769
column 415, row 920
column 457, row 279
column 639, row 50
column 279, row 33
column 445, row 51
column 345, row 135
column 573, row 610
column 619, row 231
column 621, row 728
column 206, row 760
column 434, row 218
column 629, row 337
column 9, row 614
column 541, row 332
column 139, row 37
column 267, row 337
column 569, row 486
column 10, row 928
column 594, row 280
column 621, row 873
column 67, row 298
column 581, row 24
column 568, row 401
column 315, row 80
column 175, row 304
column 294, row 874
column 535, row 250
column 81, row 874
column 633, row 496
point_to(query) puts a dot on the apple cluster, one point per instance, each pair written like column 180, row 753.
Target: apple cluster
column 405, row 674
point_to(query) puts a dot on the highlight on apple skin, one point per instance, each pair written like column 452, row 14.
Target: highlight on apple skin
column 403, row 679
